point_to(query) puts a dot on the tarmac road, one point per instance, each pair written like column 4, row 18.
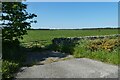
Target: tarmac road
column 74, row 68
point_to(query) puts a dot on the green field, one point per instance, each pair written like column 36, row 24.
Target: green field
column 50, row 34
column 78, row 50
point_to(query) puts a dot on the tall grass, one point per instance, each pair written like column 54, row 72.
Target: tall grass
column 104, row 55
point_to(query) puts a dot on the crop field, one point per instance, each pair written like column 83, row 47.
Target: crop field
column 48, row 35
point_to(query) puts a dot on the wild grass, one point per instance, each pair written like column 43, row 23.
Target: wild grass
column 83, row 49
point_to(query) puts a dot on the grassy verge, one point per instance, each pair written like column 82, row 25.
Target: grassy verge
column 105, row 50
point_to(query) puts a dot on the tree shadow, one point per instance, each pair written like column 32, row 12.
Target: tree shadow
column 29, row 56
column 35, row 58
column 36, row 54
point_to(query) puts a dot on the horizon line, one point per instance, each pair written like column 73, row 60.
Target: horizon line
column 77, row 28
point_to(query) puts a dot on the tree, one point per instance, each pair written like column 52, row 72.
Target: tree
column 15, row 20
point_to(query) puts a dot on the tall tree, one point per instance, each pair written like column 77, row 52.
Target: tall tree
column 15, row 20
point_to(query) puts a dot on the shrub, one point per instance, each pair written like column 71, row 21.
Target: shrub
column 80, row 49
column 64, row 44
column 105, row 44
column 13, row 56
column 68, row 48
column 94, row 49
column 8, row 68
column 103, row 49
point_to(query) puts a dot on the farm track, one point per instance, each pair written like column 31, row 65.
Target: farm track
column 51, row 64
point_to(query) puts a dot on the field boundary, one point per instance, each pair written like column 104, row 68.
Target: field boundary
column 57, row 40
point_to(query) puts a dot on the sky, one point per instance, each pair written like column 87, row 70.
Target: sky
column 74, row 15
column 72, row 0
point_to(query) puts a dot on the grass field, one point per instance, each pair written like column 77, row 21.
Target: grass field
column 78, row 51
column 50, row 34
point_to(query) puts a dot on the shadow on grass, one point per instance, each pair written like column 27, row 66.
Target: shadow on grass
column 16, row 56
column 37, row 54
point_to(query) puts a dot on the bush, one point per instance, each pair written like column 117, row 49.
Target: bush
column 80, row 49
column 13, row 57
column 103, row 49
column 105, row 44
column 65, row 45
column 67, row 48
column 8, row 68
column 94, row 49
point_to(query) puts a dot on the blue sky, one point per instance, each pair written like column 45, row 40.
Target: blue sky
column 69, row 15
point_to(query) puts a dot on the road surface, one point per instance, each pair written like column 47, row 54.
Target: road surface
column 74, row 68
